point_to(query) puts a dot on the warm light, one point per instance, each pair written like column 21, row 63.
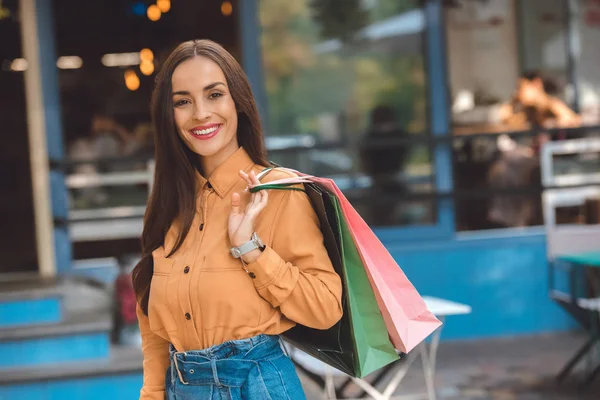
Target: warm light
column 226, row 8
column 19, row 64
column 146, row 55
column 164, row 5
column 120, row 59
column 131, row 80
column 69, row 62
column 153, row 13
column 147, row 67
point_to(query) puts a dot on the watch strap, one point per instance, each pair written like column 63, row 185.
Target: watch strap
column 252, row 244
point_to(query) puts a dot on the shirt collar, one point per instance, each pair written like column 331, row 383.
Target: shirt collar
column 226, row 175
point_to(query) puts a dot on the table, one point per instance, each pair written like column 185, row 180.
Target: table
column 586, row 259
column 582, row 260
column 441, row 308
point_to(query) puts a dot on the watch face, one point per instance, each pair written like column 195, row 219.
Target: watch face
column 235, row 252
column 257, row 240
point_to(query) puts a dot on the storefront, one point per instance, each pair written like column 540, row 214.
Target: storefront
column 397, row 101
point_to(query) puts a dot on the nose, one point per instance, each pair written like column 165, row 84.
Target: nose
column 201, row 112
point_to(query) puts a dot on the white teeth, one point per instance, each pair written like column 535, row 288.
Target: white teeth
column 207, row 131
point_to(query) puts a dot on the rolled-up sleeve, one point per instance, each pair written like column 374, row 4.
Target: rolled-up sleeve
column 156, row 360
column 295, row 273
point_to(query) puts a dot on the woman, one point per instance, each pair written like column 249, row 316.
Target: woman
column 224, row 272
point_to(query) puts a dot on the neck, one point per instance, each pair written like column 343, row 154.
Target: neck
column 210, row 163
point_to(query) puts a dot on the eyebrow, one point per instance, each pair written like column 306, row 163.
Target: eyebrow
column 208, row 87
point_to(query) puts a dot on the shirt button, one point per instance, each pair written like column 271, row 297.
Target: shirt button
column 201, row 227
column 188, row 316
column 208, row 185
column 186, row 270
column 252, row 275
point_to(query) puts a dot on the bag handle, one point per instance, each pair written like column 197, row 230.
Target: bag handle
column 279, row 184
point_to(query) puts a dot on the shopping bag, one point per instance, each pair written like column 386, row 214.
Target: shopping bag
column 335, row 345
column 406, row 316
column 358, row 344
column 373, row 347
column 408, row 320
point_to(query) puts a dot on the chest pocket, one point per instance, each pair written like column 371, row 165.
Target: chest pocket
column 160, row 316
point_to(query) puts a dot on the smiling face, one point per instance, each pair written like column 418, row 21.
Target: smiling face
column 204, row 111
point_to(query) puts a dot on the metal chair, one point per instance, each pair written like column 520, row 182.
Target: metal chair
column 565, row 240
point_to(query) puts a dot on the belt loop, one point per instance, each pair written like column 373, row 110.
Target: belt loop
column 177, row 367
column 213, row 364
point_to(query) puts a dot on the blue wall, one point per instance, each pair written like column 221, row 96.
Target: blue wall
column 504, row 279
column 122, row 387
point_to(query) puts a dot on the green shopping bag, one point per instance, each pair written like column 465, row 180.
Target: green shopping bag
column 373, row 347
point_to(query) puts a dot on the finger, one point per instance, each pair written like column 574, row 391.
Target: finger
column 254, row 178
column 254, row 200
column 235, row 203
column 245, row 177
column 263, row 202
column 259, row 205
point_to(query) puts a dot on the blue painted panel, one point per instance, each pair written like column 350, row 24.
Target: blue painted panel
column 50, row 350
column 503, row 279
column 30, row 312
column 58, row 192
column 121, row 387
column 49, row 77
column 251, row 54
column 63, row 251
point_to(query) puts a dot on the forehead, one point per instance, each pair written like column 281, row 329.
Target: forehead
column 194, row 74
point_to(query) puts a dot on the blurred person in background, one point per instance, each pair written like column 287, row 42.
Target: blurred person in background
column 105, row 140
column 536, row 104
column 382, row 158
column 224, row 272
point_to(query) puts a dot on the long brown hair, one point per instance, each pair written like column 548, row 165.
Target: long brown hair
column 173, row 194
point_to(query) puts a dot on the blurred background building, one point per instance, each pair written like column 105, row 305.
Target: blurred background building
column 420, row 110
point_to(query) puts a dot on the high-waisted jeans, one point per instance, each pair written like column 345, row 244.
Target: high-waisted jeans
column 251, row 369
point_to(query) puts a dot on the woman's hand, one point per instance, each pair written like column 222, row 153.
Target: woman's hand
column 241, row 224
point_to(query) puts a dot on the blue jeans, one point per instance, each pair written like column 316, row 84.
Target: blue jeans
column 251, row 369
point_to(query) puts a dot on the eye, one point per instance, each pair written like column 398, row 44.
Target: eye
column 182, row 102
column 215, row 95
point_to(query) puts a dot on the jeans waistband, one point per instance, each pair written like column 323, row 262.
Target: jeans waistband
column 226, row 364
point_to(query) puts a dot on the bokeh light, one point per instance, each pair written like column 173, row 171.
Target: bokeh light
column 147, row 67
column 153, row 13
column 132, row 81
column 146, row 55
column 226, row 8
column 164, row 5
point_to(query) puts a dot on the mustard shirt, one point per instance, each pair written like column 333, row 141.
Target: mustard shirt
column 201, row 296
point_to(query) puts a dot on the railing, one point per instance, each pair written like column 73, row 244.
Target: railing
column 325, row 159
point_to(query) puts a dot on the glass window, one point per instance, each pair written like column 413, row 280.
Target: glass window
column 587, row 20
column 108, row 55
column 346, row 82
column 509, row 72
column 17, row 236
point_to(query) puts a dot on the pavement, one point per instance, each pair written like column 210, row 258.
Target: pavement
column 519, row 368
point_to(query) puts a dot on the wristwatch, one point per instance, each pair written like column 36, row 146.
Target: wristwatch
column 254, row 243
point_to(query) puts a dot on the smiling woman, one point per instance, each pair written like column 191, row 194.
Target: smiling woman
column 223, row 271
